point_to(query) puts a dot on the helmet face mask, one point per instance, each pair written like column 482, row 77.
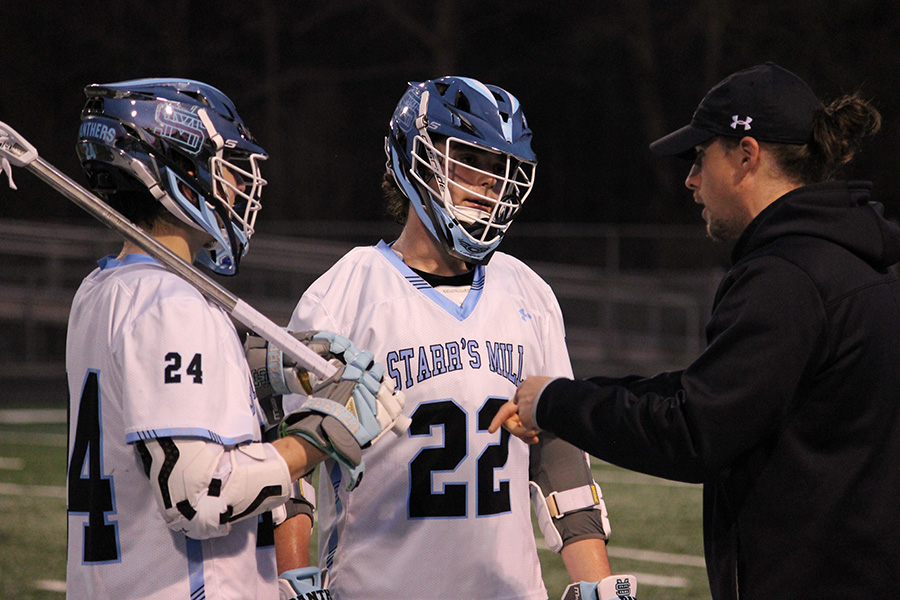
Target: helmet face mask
column 436, row 170
column 183, row 142
column 435, row 122
column 230, row 184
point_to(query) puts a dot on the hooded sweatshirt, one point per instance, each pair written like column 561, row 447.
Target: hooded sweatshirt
column 790, row 417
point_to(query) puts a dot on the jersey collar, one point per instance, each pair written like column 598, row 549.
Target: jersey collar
column 460, row 312
column 111, row 261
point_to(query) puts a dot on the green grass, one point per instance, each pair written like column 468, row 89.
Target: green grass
column 647, row 514
column 32, row 527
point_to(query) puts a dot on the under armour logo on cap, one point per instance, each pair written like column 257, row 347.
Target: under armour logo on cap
column 735, row 121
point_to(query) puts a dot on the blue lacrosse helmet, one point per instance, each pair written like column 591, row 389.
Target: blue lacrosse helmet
column 437, row 116
column 184, row 142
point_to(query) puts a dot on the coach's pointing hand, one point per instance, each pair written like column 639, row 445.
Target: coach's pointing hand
column 517, row 416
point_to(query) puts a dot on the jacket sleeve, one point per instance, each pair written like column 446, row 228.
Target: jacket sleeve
column 766, row 335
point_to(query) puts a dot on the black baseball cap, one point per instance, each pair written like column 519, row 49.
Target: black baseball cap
column 765, row 102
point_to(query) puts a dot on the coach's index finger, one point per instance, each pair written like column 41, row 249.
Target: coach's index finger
column 506, row 412
column 509, row 419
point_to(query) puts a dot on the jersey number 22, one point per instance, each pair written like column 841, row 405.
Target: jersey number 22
column 425, row 503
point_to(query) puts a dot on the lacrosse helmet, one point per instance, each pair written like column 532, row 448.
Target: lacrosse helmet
column 184, row 142
column 460, row 111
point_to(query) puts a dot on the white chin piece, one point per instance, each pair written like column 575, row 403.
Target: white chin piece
column 468, row 215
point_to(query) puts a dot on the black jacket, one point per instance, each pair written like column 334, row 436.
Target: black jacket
column 790, row 417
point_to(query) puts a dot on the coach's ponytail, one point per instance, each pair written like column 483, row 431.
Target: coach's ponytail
column 838, row 130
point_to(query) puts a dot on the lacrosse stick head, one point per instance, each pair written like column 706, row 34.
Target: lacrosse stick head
column 14, row 151
column 184, row 143
column 436, row 117
column 14, row 148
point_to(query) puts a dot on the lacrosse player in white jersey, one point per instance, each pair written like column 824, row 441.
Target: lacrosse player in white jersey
column 170, row 488
column 444, row 511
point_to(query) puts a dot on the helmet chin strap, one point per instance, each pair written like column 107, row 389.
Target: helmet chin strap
column 174, row 208
column 508, row 209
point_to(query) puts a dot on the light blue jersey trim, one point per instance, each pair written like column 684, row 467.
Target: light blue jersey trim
column 195, row 432
column 460, row 312
column 336, row 478
column 195, row 568
column 111, row 262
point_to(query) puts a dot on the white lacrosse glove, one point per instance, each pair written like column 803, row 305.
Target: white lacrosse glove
column 302, row 583
column 273, row 374
column 348, row 411
column 614, row 587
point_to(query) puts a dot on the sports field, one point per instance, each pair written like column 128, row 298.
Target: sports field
column 656, row 524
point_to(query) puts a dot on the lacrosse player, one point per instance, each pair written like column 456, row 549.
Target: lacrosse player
column 791, row 416
column 444, row 511
column 169, row 485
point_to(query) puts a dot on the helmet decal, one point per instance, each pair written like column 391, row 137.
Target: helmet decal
column 180, row 125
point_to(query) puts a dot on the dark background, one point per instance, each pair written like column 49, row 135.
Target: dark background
column 317, row 81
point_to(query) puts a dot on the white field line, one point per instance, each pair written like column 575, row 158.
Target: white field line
column 36, row 416
column 30, row 491
column 651, row 556
column 12, row 464
column 50, row 585
column 667, row 558
column 22, row 416
column 34, row 439
column 660, row 580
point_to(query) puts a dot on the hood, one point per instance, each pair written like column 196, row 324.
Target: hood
column 837, row 211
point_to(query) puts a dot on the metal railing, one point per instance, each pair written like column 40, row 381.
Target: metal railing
column 617, row 320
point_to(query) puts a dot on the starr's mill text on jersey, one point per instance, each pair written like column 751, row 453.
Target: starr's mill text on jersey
column 409, row 366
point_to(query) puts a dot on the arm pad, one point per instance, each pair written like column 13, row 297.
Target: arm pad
column 586, row 518
column 567, row 501
column 201, row 487
column 301, row 502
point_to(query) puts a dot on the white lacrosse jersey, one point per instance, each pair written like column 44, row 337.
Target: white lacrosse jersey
column 148, row 356
column 443, row 511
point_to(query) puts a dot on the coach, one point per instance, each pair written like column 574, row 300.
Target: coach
column 791, row 416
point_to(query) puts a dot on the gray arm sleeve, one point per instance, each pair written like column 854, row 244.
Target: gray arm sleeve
column 556, row 467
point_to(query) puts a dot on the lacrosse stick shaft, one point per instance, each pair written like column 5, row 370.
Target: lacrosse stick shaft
column 240, row 310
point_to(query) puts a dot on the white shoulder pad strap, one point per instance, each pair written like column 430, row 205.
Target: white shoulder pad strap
column 559, row 504
column 201, row 486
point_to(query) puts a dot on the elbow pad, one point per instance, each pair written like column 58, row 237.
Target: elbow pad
column 567, row 501
column 302, row 501
column 202, row 487
column 570, row 514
